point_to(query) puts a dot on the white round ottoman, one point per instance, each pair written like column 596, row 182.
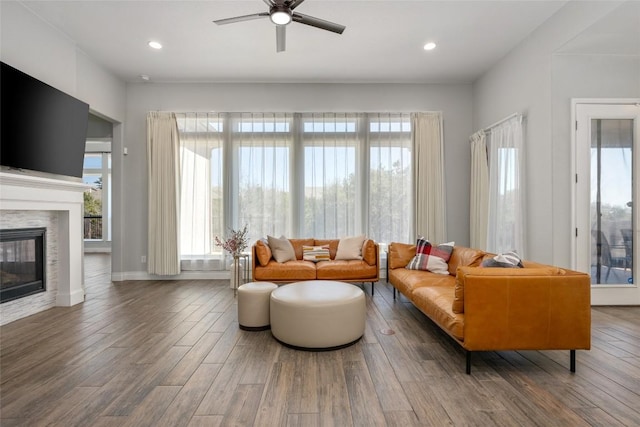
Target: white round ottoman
column 253, row 305
column 318, row 314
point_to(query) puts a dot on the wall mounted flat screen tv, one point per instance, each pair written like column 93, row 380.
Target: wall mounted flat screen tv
column 42, row 128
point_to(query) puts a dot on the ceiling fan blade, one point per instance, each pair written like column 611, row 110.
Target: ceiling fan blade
column 318, row 23
column 281, row 38
column 295, row 3
column 268, row 2
column 242, row 18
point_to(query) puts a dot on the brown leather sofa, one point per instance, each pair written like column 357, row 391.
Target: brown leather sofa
column 538, row 307
column 265, row 268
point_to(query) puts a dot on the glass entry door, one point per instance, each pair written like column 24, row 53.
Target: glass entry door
column 606, row 218
column 611, row 201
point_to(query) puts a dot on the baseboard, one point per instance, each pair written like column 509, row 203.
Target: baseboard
column 185, row 275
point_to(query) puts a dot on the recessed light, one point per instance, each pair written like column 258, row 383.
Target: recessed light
column 430, row 46
column 155, row 45
column 144, row 77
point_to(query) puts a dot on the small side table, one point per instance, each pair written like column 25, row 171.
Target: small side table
column 239, row 271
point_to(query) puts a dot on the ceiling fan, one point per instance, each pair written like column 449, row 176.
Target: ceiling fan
column 281, row 13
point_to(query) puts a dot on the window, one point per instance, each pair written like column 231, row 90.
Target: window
column 322, row 175
column 202, row 183
column 390, row 178
column 97, row 199
column 261, row 185
column 332, row 158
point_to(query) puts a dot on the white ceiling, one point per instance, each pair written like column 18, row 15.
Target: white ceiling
column 382, row 43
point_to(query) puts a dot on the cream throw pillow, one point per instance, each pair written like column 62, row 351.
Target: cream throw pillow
column 281, row 248
column 350, row 248
column 315, row 253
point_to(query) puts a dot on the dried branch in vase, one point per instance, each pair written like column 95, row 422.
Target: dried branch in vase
column 236, row 243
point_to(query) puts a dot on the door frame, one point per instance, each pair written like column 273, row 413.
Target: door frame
column 601, row 294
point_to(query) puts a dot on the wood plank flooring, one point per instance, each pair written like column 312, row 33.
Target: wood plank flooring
column 170, row 353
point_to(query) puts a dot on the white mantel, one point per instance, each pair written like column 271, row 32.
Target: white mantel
column 23, row 192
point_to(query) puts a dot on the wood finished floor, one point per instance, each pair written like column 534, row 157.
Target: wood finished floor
column 168, row 353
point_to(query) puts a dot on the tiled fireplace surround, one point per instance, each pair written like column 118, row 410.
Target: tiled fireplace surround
column 32, row 201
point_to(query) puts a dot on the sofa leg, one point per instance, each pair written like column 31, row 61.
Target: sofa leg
column 394, row 293
column 372, row 289
column 468, row 362
column 572, row 358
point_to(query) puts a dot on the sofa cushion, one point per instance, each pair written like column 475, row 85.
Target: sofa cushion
column 315, row 253
column 345, row 270
column 400, row 254
column 298, row 244
column 431, row 258
column 369, row 254
column 530, row 269
column 281, row 249
column 464, row 257
column 350, row 248
column 435, row 302
column 332, row 243
column 406, row 281
column 290, row 271
column 505, row 260
column 263, row 253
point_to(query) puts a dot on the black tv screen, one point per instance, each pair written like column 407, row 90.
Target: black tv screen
column 42, row 128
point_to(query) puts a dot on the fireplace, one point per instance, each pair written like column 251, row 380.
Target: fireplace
column 28, row 201
column 22, row 262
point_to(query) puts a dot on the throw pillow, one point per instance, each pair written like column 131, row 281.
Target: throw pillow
column 281, row 248
column 263, row 252
column 505, row 260
column 315, row 253
column 431, row 258
column 350, row 248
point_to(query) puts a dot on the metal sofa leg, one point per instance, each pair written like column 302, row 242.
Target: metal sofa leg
column 372, row 289
column 572, row 358
column 468, row 362
column 394, row 293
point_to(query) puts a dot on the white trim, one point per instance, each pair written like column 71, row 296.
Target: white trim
column 574, row 153
column 602, row 294
column 186, row 275
column 22, row 192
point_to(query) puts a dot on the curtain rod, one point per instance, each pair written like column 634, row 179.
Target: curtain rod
column 510, row 116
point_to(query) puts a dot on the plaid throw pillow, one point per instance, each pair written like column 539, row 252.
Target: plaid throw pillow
column 431, row 258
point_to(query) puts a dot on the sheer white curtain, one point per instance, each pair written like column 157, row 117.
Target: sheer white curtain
column 430, row 209
column 505, row 230
column 390, row 213
column 332, row 150
column 261, row 189
column 163, row 170
column 295, row 174
column 202, row 190
column 479, row 190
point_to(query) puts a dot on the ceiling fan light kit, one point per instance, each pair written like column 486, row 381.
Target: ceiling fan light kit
column 281, row 13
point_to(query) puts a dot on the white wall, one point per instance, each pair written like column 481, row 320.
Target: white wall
column 453, row 100
column 534, row 81
column 38, row 49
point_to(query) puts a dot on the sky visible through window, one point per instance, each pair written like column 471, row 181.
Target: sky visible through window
column 331, row 163
column 615, row 176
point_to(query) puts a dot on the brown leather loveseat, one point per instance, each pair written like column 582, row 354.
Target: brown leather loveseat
column 266, row 268
column 538, row 307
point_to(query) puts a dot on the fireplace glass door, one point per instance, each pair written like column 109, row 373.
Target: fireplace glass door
column 22, row 256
